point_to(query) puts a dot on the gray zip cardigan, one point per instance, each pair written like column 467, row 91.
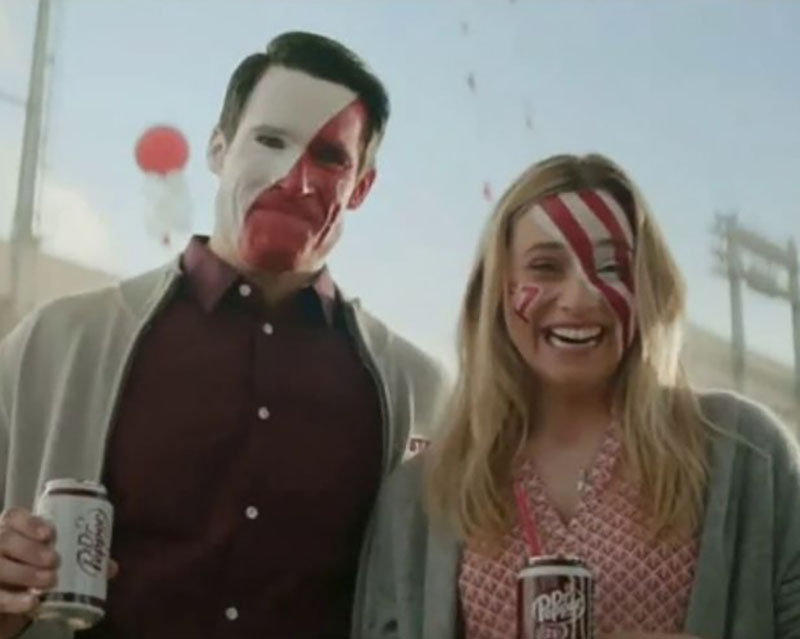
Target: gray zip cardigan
column 747, row 578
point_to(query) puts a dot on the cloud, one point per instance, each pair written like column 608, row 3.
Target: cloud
column 68, row 224
column 73, row 229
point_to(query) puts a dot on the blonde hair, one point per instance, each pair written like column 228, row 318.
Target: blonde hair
column 664, row 437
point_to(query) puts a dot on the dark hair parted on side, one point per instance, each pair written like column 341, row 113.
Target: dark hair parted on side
column 317, row 56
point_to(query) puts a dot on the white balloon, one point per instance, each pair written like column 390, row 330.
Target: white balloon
column 169, row 210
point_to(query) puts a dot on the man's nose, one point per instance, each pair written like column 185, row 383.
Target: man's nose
column 298, row 181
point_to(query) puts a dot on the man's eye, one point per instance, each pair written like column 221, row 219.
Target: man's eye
column 271, row 141
column 330, row 156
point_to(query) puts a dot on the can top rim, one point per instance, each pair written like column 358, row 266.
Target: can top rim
column 74, row 484
column 564, row 562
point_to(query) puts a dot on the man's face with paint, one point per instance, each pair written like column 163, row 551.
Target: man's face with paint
column 569, row 298
column 289, row 172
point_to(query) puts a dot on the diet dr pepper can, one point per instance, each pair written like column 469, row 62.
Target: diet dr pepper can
column 555, row 599
column 82, row 516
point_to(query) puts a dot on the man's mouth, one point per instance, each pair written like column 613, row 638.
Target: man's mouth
column 574, row 337
column 298, row 210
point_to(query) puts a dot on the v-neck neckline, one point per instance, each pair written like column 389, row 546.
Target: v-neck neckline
column 599, row 474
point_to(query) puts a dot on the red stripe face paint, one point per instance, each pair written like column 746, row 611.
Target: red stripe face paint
column 290, row 170
column 616, row 222
column 585, row 225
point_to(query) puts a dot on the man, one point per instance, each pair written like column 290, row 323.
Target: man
column 239, row 409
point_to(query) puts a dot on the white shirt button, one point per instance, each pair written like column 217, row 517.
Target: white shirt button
column 231, row 613
column 251, row 512
column 245, row 290
column 268, row 328
column 263, row 413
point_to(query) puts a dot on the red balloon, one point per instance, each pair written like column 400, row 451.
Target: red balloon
column 161, row 149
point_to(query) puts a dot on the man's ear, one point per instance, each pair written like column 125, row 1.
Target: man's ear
column 217, row 148
column 362, row 189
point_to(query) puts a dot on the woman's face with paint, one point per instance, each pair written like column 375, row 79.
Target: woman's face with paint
column 569, row 289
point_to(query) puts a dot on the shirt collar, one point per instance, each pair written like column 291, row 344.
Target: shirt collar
column 210, row 278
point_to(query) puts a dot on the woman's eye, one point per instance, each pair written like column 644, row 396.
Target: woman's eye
column 543, row 267
column 611, row 268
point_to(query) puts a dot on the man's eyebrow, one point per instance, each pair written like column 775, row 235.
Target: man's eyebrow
column 269, row 129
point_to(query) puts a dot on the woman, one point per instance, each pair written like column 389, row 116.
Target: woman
column 573, row 432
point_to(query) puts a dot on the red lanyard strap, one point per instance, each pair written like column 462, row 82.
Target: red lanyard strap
column 527, row 521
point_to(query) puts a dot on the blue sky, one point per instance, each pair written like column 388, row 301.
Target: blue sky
column 699, row 100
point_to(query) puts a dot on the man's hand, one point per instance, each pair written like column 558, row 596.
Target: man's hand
column 28, row 559
column 28, row 563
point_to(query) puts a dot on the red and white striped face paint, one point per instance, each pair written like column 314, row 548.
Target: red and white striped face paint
column 595, row 229
column 290, row 171
column 571, row 277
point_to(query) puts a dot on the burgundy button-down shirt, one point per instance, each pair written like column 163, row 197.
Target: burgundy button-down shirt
column 243, row 463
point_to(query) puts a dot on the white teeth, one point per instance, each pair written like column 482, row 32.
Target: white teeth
column 559, row 342
column 577, row 334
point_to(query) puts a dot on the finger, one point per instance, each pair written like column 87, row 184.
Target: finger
column 28, row 524
column 113, row 569
column 18, row 603
column 19, row 575
column 26, row 551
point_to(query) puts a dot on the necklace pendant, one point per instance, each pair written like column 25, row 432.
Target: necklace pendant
column 582, row 482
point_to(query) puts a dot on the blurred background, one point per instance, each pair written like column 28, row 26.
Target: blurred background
column 698, row 99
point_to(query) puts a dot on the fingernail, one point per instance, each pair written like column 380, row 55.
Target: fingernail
column 43, row 576
column 43, row 532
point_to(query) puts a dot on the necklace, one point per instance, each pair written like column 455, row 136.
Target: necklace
column 582, row 480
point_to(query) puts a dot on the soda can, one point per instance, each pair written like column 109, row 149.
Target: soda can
column 554, row 596
column 83, row 518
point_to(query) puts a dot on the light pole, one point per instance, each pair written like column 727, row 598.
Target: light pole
column 761, row 272
column 24, row 245
column 794, row 290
